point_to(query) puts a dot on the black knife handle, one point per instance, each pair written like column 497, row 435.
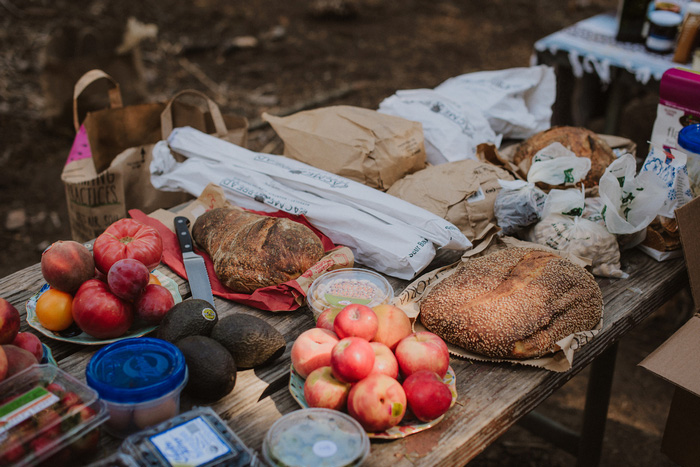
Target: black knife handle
column 183, row 234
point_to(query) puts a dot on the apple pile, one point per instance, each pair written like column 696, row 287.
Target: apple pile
column 370, row 363
column 36, row 434
column 112, row 286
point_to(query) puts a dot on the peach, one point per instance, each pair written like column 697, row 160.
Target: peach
column 312, row 349
column 393, row 325
column 67, row 264
column 18, row 359
column 3, row 364
column 378, row 402
column 9, row 322
column 31, row 343
column 322, row 389
column 384, row 360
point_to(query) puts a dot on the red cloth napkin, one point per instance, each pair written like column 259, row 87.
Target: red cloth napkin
column 281, row 297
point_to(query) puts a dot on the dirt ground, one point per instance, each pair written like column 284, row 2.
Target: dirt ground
column 278, row 57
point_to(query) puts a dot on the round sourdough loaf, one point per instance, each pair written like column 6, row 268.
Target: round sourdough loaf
column 514, row 303
column 250, row 251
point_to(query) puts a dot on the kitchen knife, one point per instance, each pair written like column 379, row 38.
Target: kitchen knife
column 194, row 264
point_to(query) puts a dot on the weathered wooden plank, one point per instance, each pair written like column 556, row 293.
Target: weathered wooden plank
column 492, row 396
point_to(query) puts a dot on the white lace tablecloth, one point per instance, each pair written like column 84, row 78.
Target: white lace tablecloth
column 592, row 47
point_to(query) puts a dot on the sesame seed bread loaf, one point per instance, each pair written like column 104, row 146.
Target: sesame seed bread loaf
column 514, row 303
column 250, row 251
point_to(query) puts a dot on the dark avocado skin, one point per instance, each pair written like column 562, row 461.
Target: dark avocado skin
column 212, row 369
column 187, row 319
column 251, row 340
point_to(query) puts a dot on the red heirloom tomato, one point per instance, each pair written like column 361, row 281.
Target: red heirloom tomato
column 127, row 238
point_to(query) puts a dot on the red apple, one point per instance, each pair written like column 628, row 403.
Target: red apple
column 356, row 320
column 9, row 322
column 67, row 264
column 378, row 402
column 153, row 303
column 99, row 312
column 127, row 278
column 322, row 389
column 31, row 343
column 384, row 360
column 312, row 349
column 393, row 325
column 422, row 350
column 326, row 318
column 352, row 359
column 427, row 395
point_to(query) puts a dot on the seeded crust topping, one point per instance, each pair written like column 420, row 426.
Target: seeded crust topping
column 514, row 303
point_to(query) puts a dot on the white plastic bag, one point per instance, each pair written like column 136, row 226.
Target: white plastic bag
column 556, row 165
column 517, row 102
column 569, row 202
column 630, row 203
column 451, row 131
column 582, row 238
column 518, row 205
column 670, row 167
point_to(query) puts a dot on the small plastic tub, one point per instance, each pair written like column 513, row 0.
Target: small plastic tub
column 339, row 288
column 48, row 416
column 203, row 438
column 689, row 141
column 318, row 437
column 140, row 380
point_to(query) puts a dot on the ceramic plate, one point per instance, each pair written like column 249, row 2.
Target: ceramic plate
column 86, row 339
column 48, row 356
column 404, row 428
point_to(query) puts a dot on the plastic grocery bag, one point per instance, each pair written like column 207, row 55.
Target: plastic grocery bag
column 669, row 165
column 569, row 202
column 582, row 238
column 384, row 232
column 517, row 102
column 630, row 202
column 556, row 165
column 518, row 205
column 451, row 131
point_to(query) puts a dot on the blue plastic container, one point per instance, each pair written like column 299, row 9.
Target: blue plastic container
column 140, row 380
column 689, row 142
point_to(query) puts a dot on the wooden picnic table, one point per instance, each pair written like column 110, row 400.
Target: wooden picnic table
column 492, row 396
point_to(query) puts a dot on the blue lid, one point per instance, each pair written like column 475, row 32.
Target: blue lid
column 136, row 370
column 689, row 138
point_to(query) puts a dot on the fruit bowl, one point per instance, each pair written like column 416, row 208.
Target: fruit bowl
column 84, row 338
column 407, row 426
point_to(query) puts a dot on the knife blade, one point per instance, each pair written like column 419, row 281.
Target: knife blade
column 194, row 264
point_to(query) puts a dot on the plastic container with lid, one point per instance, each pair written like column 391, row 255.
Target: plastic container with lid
column 689, row 142
column 318, row 437
column 197, row 437
column 46, row 415
column 663, row 29
column 140, row 380
column 341, row 287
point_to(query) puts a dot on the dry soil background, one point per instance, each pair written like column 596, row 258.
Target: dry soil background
column 275, row 56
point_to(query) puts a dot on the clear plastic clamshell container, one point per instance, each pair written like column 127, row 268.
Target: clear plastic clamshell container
column 341, row 287
column 46, row 415
column 198, row 437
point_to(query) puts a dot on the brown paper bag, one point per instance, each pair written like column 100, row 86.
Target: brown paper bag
column 363, row 145
column 107, row 172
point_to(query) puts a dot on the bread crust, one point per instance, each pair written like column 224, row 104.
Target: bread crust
column 514, row 303
column 250, row 251
column 580, row 141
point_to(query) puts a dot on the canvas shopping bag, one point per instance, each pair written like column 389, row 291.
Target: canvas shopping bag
column 107, row 171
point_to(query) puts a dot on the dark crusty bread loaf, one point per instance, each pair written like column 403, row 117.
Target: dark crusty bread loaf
column 514, row 303
column 251, row 251
column 580, row 141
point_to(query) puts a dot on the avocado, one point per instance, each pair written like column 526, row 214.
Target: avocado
column 251, row 340
column 193, row 317
column 212, row 369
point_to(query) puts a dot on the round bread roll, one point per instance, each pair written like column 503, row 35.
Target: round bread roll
column 514, row 303
column 580, row 141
